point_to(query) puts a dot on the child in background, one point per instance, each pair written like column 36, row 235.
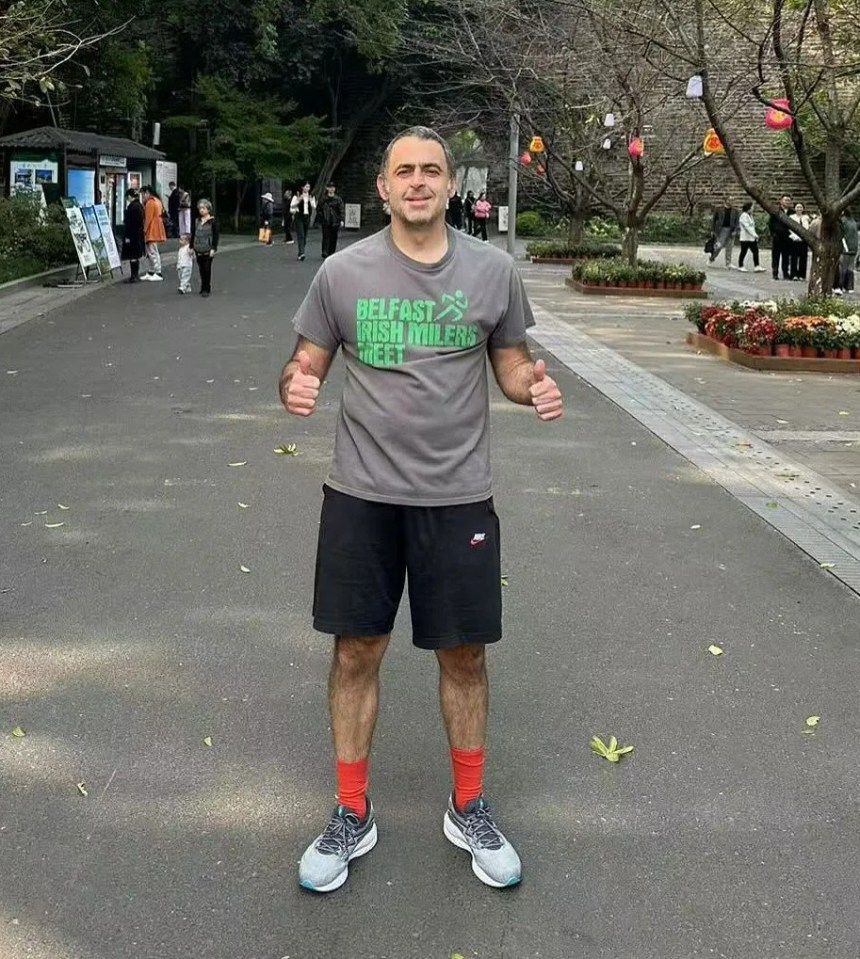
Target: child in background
column 185, row 263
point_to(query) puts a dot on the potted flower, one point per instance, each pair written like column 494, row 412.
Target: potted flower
column 826, row 337
column 848, row 328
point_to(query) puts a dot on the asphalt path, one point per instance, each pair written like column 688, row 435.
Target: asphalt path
column 130, row 639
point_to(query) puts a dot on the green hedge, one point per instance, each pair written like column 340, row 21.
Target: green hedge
column 559, row 250
column 531, row 223
column 32, row 239
column 620, row 271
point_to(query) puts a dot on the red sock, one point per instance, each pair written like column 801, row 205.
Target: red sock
column 468, row 768
column 352, row 785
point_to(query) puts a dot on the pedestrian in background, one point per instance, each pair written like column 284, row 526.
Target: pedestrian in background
column 780, row 249
column 288, row 216
column 184, row 211
column 848, row 258
column 798, row 251
column 303, row 206
column 205, row 243
column 134, row 240
column 482, row 211
column 267, row 211
column 455, row 211
column 154, row 231
column 173, row 209
column 724, row 225
column 185, row 263
column 469, row 212
column 331, row 216
column 749, row 239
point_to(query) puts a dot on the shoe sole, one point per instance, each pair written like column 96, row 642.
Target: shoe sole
column 453, row 835
column 362, row 849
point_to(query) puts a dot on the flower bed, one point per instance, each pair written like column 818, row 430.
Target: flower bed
column 566, row 253
column 646, row 277
column 791, row 330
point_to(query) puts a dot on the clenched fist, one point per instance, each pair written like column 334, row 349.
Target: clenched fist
column 303, row 388
column 546, row 396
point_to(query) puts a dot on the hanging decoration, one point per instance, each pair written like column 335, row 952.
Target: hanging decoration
column 536, row 146
column 712, row 143
column 540, row 170
column 636, row 147
column 777, row 116
column 609, row 120
column 526, row 158
column 607, row 144
column 694, row 88
column 579, row 166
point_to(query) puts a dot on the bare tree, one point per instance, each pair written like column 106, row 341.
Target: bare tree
column 562, row 70
column 748, row 55
column 37, row 39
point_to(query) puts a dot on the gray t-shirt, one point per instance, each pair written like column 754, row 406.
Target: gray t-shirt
column 413, row 427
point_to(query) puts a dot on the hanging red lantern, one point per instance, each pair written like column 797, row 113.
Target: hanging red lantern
column 636, row 147
column 526, row 158
column 712, row 143
column 536, row 145
column 540, row 170
column 777, row 116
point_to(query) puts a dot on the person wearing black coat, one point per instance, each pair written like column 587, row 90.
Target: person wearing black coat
column 780, row 240
column 133, row 244
column 331, row 216
column 455, row 211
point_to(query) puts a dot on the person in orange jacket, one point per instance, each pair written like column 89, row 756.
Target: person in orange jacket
column 153, row 231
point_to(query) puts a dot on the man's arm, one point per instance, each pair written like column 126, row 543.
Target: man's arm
column 303, row 376
column 525, row 382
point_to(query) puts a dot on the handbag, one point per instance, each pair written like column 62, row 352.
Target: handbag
column 709, row 245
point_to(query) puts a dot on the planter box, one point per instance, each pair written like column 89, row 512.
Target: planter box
column 556, row 260
column 674, row 294
column 772, row 364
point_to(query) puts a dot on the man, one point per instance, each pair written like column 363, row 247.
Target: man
column 780, row 233
column 416, row 310
column 154, row 232
column 288, row 216
column 455, row 211
column 723, row 228
column 302, row 208
column 184, row 211
column 173, row 208
column 331, row 214
column 848, row 256
column 469, row 211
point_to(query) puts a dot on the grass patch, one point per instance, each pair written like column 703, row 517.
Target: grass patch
column 17, row 267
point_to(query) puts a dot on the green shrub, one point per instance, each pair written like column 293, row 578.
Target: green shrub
column 598, row 228
column 16, row 267
column 30, row 233
column 530, row 223
column 675, row 228
column 557, row 249
column 620, row 271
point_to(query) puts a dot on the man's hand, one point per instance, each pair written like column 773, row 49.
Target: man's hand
column 545, row 394
column 300, row 396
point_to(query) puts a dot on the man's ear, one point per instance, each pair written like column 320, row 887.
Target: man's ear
column 381, row 187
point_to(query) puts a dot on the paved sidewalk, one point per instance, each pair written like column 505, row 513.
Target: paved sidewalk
column 813, row 418
column 29, row 302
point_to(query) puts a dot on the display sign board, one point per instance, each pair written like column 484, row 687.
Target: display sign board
column 108, row 159
column 352, row 216
column 80, row 235
column 96, row 239
column 108, row 237
column 31, row 174
column 82, row 186
column 165, row 174
column 503, row 219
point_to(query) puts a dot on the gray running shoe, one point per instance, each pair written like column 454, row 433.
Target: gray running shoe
column 494, row 860
column 325, row 864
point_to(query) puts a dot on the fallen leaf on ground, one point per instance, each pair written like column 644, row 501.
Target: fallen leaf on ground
column 783, row 422
column 282, row 450
column 43, row 512
column 207, row 741
column 812, row 721
column 239, row 463
column 54, row 525
column 504, row 581
column 82, row 789
column 773, row 505
column 18, row 733
column 827, row 565
column 244, row 569
column 60, row 506
column 11, row 372
column 244, row 505
column 27, row 524
column 210, row 381
column 696, row 526
column 844, row 413
column 715, row 650
column 611, row 752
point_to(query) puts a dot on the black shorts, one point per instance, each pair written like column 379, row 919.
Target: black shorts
column 450, row 553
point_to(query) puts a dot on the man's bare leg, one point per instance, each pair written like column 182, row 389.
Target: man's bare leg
column 353, row 694
column 464, row 695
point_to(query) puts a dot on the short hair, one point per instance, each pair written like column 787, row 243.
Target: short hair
column 330, row 186
column 184, row 236
column 171, row 183
column 421, row 133
column 746, row 207
column 206, row 203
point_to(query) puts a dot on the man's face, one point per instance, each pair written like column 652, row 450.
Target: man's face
column 417, row 182
column 329, row 190
column 786, row 202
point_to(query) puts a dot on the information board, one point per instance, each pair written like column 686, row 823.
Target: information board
column 108, row 236
column 80, row 235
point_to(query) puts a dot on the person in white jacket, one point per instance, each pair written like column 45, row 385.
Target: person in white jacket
column 303, row 207
column 749, row 239
column 798, row 251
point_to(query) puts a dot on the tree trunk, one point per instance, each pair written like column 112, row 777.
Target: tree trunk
column 630, row 243
column 241, row 189
column 825, row 259
column 575, row 227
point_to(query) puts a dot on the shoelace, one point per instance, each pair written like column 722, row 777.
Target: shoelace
column 339, row 835
column 481, row 828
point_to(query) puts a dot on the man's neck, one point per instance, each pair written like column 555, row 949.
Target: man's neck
column 423, row 244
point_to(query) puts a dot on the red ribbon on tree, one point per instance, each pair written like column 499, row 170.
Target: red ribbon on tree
column 777, row 116
column 526, row 158
column 636, row 147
